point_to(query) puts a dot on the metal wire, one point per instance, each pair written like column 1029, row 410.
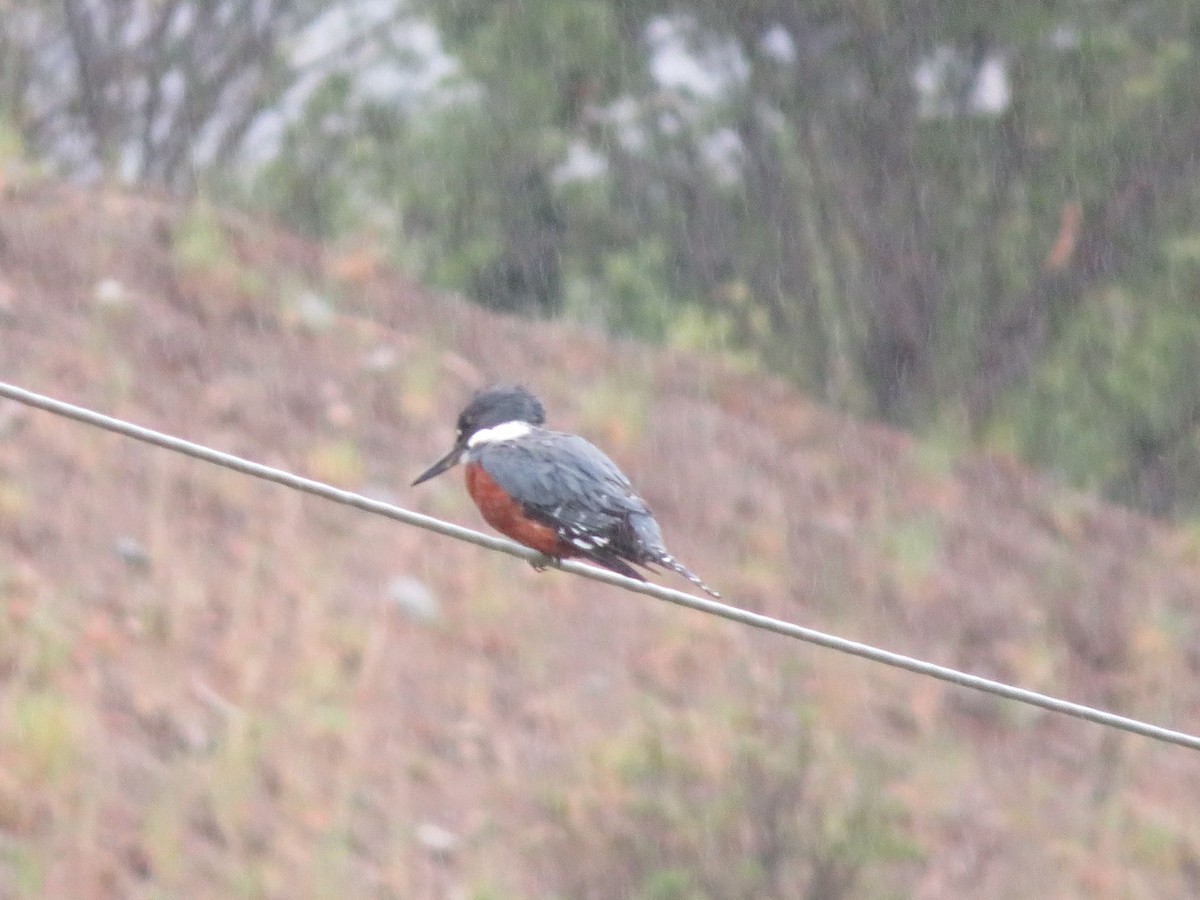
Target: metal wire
column 702, row 604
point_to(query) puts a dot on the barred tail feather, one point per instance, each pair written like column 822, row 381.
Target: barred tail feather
column 670, row 562
column 613, row 563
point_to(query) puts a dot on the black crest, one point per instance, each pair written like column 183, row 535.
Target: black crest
column 497, row 404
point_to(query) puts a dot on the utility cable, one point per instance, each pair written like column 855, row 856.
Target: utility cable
column 701, row 604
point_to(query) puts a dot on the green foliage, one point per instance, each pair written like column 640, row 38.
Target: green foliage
column 310, row 184
column 493, row 200
column 23, row 870
column 203, row 250
column 914, row 548
column 1117, row 406
column 200, row 243
column 680, row 807
column 627, row 293
column 43, row 737
column 907, row 252
column 12, row 145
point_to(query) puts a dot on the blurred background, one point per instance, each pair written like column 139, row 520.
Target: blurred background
column 892, row 310
column 974, row 222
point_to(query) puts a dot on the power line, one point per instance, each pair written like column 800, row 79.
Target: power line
column 702, row 604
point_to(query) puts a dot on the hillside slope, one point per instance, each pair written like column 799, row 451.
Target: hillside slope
column 212, row 687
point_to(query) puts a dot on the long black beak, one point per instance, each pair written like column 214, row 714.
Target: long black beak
column 449, row 461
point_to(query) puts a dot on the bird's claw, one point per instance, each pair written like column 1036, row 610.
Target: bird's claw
column 542, row 562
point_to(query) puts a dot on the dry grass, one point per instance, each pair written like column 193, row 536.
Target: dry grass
column 205, row 691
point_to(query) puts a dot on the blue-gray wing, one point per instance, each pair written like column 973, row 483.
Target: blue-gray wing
column 567, row 483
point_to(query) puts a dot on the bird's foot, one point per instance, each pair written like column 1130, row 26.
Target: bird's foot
column 542, row 562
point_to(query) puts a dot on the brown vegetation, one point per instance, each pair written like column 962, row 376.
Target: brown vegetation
column 206, row 692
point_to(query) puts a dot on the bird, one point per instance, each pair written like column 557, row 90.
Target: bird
column 552, row 491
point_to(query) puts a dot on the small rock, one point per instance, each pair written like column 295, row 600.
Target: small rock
column 315, row 312
column 193, row 737
column 132, row 552
column 381, row 359
column 414, row 599
column 437, row 840
column 110, row 296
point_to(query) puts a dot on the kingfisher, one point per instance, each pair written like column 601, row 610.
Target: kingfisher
column 550, row 490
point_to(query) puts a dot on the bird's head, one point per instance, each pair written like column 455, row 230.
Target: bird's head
column 498, row 413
